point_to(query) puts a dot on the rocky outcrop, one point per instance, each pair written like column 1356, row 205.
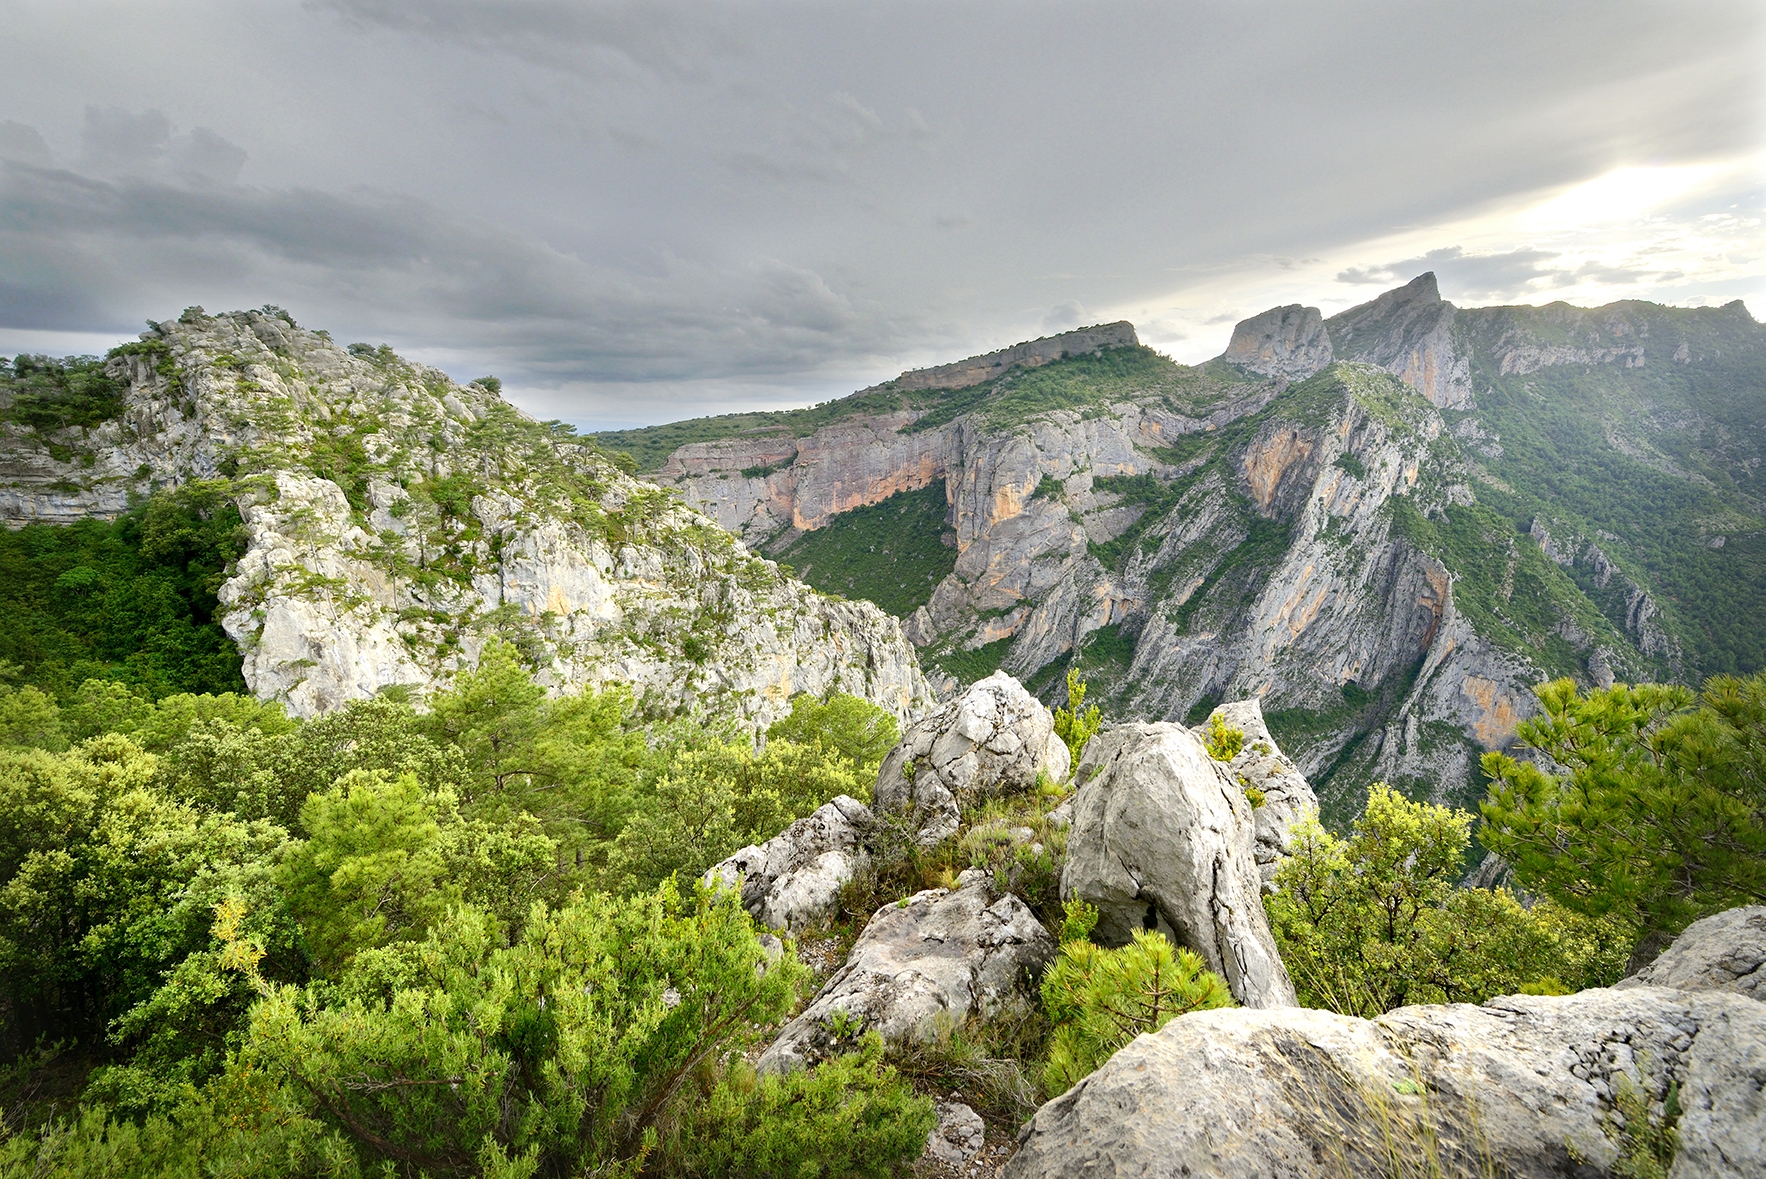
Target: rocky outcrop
column 1163, row 838
column 1724, row 952
column 995, row 738
column 1288, row 342
column 1410, row 333
column 924, row 964
column 975, row 370
column 398, row 521
column 1522, row 1086
column 959, row 1135
column 1286, row 795
column 792, row 882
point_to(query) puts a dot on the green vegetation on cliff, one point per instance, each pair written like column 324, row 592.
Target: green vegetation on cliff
column 132, row 600
column 891, row 553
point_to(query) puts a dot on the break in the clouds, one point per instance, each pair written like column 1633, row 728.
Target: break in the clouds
column 638, row 211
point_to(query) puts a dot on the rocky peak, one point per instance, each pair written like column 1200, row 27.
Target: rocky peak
column 976, row 369
column 1409, row 331
column 1288, row 342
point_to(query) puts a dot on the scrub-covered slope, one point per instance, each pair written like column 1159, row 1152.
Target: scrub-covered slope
column 396, row 521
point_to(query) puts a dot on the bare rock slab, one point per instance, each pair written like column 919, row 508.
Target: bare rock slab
column 1725, row 952
column 959, row 1135
column 1523, row 1086
column 1163, row 837
column 993, row 739
column 792, row 882
column 942, row 956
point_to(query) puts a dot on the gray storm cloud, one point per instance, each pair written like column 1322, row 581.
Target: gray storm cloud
column 769, row 199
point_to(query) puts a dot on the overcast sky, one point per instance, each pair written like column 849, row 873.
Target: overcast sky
column 639, row 212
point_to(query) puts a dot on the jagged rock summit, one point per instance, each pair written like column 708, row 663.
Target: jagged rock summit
column 397, row 521
column 1288, row 342
column 1524, row 1086
column 1163, row 839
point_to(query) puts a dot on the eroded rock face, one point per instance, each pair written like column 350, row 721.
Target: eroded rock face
column 1409, row 331
column 936, row 960
column 1287, row 797
column 1289, row 342
column 792, row 882
column 993, row 739
column 462, row 520
column 1522, row 1086
column 1725, row 952
column 1163, row 838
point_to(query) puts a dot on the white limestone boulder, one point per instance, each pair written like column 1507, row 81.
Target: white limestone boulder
column 993, row 739
column 1163, row 838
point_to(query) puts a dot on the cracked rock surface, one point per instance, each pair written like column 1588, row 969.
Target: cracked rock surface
column 993, row 739
column 1723, row 952
column 792, row 881
column 1523, row 1086
column 942, row 956
column 1163, row 838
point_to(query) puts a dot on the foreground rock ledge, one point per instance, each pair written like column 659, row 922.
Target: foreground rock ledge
column 1522, row 1086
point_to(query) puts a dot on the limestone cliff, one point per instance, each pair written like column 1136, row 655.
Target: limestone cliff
column 1356, row 520
column 397, row 521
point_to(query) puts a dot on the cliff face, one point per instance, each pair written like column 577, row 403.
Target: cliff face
column 397, row 521
column 1357, row 520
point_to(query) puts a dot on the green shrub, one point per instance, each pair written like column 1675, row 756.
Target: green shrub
column 1100, row 999
column 848, row 725
column 1223, row 741
column 1074, row 723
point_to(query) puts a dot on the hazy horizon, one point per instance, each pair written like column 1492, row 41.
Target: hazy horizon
column 635, row 213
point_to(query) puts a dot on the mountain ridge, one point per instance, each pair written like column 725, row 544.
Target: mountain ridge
column 1172, row 528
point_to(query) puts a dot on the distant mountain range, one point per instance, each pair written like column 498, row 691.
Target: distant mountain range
column 1387, row 524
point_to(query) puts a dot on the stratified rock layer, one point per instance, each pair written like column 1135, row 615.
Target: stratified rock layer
column 1288, row 342
column 1163, row 838
column 1724, row 952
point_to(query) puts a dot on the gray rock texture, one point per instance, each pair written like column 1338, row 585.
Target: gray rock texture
column 792, row 882
column 457, row 519
column 1724, row 952
column 993, row 739
column 1410, row 332
column 1163, row 838
column 931, row 962
column 1521, row 1087
column 1289, row 342
column 1287, row 797
column 959, row 1135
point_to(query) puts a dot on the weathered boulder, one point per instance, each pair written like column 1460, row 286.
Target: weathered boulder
column 993, row 739
column 1286, row 342
column 1287, row 796
column 792, row 881
column 959, row 1135
column 1720, row 953
column 1163, row 838
column 1523, row 1086
column 938, row 956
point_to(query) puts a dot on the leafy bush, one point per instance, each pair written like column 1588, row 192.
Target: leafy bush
column 49, row 394
column 847, row 725
column 1657, row 815
column 1223, row 741
column 1074, row 723
column 1100, row 999
column 1376, row 920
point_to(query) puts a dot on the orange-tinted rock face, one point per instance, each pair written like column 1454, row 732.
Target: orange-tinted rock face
column 1265, row 464
column 1498, row 711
